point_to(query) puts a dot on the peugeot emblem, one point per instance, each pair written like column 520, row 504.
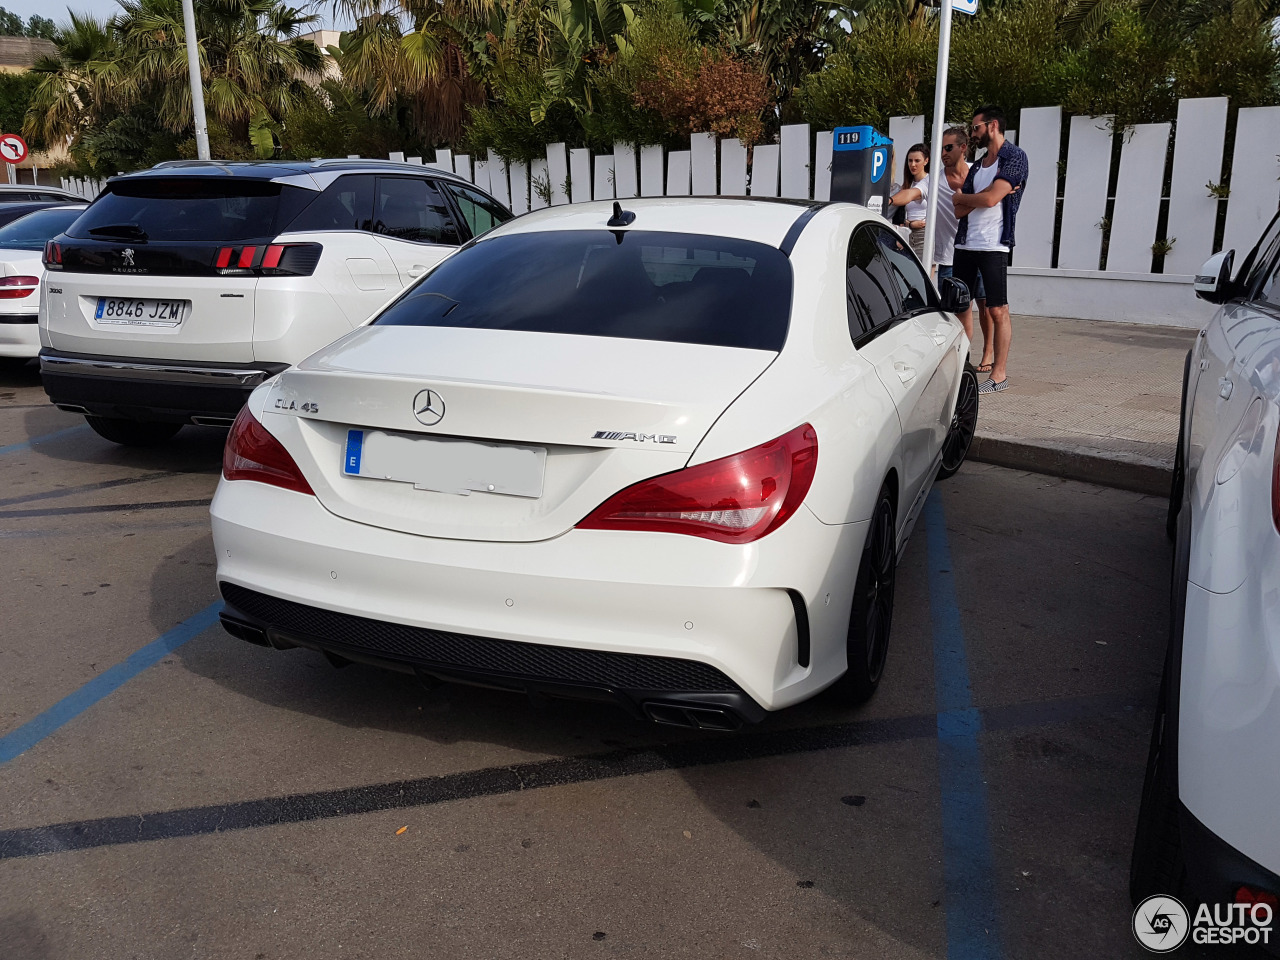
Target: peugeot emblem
column 428, row 407
column 128, row 254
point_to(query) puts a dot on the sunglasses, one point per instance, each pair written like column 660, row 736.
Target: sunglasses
column 948, row 147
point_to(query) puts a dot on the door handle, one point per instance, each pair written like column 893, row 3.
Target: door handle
column 417, row 270
column 939, row 338
column 905, row 373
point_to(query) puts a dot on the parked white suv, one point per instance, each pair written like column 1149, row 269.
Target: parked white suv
column 1207, row 822
column 183, row 287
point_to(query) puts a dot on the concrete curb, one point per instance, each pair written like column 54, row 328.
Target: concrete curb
column 1125, row 471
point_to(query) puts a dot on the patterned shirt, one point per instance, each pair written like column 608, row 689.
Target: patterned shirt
column 1011, row 165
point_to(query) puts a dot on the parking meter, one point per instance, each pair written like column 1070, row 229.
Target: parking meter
column 860, row 160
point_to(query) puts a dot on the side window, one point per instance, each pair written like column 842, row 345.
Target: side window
column 911, row 286
column 1269, row 291
column 1261, row 280
column 347, row 204
column 870, row 291
column 410, row 208
column 480, row 213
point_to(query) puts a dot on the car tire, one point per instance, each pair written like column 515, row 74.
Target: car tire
column 872, row 615
column 133, row 433
column 964, row 424
column 1178, row 484
column 1157, row 864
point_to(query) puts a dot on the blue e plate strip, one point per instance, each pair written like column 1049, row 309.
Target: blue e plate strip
column 21, row 740
column 968, row 864
column 355, row 446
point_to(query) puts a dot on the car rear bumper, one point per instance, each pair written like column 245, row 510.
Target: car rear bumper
column 663, row 624
column 140, row 389
column 19, row 334
column 1216, row 869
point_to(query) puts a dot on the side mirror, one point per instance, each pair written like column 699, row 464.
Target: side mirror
column 1213, row 282
column 954, row 295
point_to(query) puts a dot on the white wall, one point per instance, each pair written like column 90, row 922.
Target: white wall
column 799, row 167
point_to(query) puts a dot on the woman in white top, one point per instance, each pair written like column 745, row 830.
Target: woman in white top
column 917, row 168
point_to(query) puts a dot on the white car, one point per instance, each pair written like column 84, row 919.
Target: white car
column 183, row 287
column 18, row 193
column 21, row 250
column 666, row 456
column 1208, row 826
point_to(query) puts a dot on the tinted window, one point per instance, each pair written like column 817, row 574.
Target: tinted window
column 31, row 232
column 16, row 196
column 55, row 197
column 478, row 211
column 883, row 280
column 193, row 208
column 636, row 284
column 410, row 208
column 1269, row 289
column 347, row 204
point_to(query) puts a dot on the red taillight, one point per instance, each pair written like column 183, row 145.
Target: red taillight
column 252, row 453
column 736, row 499
column 288, row 259
column 15, row 288
column 1251, row 895
column 53, row 255
column 271, row 259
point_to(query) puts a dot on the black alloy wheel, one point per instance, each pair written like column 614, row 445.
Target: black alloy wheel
column 964, row 424
column 872, row 615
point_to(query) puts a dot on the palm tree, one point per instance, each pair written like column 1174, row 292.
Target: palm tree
column 80, row 85
column 253, row 59
column 419, row 53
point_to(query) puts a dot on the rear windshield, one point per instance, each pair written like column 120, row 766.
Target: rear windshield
column 31, row 231
column 674, row 287
column 192, row 208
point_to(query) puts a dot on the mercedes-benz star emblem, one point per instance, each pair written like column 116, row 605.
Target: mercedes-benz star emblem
column 428, row 407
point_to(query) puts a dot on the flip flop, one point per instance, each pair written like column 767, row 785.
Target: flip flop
column 985, row 367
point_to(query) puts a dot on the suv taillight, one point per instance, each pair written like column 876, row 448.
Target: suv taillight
column 53, row 255
column 252, row 453
column 15, row 288
column 735, row 499
column 271, row 260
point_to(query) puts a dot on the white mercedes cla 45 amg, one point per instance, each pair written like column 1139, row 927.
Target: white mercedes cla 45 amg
column 665, row 456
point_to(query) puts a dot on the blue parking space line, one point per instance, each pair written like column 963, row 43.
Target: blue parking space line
column 968, row 865
column 44, row 438
column 25, row 737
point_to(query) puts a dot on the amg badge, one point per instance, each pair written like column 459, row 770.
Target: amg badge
column 637, row 437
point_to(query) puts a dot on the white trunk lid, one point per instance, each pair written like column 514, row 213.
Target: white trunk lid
column 608, row 412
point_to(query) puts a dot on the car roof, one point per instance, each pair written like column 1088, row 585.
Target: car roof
column 314, row 174
column 763, row 220
column 36, row 188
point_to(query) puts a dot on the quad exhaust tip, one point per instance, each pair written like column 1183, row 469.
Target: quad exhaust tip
column 697, row 718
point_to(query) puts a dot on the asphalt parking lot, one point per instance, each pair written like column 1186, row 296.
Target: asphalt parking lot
column 169, row 791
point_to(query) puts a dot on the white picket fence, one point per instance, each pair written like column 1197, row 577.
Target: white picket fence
column 1059, row 267
column 81, row 187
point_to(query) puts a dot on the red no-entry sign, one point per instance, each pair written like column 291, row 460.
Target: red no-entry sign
column 13, row 149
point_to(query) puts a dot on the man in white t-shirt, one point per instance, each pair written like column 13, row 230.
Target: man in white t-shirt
column 955, row 141
column 986, row 210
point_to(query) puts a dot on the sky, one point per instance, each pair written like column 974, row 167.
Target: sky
column 57, row 12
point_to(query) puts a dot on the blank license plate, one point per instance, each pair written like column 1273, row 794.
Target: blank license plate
column 140, row 311
column 447, row 466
